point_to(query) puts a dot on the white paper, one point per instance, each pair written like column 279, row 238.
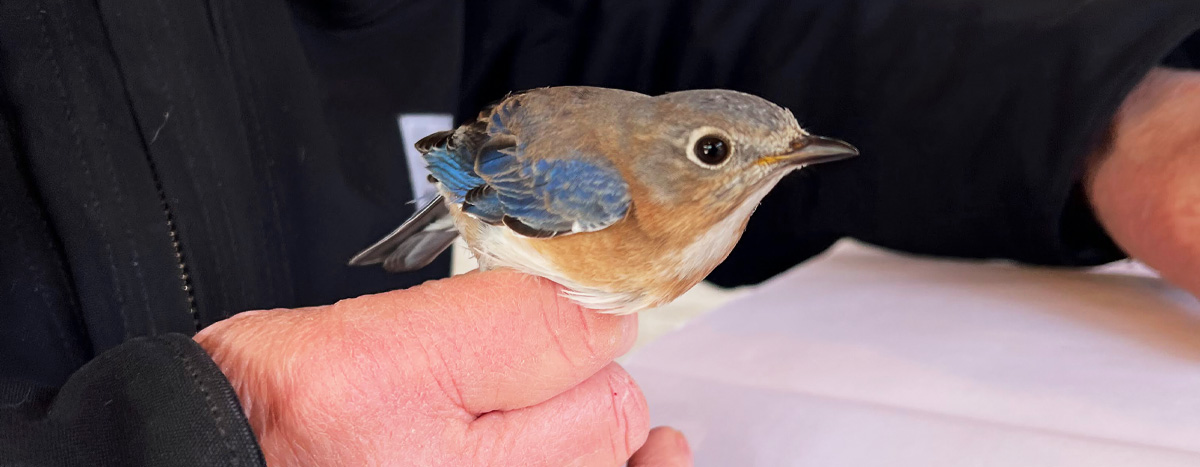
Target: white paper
column 413, row 127
column 866, row 358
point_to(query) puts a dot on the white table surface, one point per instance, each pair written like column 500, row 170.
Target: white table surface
column 867, row 358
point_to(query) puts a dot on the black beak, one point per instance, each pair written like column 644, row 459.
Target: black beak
column 814, row 149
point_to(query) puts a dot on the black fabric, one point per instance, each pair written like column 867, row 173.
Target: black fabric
column 190, row 418
column 43, row 336
column 973, row 116
column 376, row 60
column 164, row 165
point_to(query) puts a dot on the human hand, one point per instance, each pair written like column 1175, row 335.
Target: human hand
column 1144, row 185
column 490, row 368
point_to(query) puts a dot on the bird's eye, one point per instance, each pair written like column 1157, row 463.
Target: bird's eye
column 711, row 150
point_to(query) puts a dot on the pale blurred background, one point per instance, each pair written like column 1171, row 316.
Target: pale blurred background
column 865, row 357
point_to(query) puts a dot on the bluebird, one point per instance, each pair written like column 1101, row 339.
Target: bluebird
column 625, row 200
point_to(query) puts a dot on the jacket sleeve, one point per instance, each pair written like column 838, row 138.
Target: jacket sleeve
column 148, row 402
column 974, row 116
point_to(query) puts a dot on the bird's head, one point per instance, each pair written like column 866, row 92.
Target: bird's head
column 723, row 147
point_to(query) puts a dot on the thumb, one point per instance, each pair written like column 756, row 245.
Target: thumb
column 503, row 340
column 666, row 447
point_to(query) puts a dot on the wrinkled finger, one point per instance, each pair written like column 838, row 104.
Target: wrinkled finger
column 600, row 422
column 665, row 447
column 494, row 340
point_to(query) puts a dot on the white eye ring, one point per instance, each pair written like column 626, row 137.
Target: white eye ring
column 709, row 132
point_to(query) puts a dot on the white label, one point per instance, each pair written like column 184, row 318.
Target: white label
column 413, row 127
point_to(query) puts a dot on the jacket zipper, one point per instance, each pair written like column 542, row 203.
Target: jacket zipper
column 185, row 277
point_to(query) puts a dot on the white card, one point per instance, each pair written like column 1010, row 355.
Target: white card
column 413, row 127
column 862, row 357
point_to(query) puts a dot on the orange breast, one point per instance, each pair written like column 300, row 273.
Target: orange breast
column 641, row 252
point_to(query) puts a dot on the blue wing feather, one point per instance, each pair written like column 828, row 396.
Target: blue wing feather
column 482, row 168
column 487, row 208
column 568, row 193
column 454, row 170
column 558, row 195
column 591, row 195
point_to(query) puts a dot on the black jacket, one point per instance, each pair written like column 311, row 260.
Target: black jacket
column 164, row 165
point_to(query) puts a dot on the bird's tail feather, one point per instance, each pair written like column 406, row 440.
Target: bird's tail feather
column 416, row 243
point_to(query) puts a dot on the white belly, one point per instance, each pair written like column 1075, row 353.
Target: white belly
column 498, row 247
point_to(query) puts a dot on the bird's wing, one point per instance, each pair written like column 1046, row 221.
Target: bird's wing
column 484, row 169
column 416, row 243
column 552, row 196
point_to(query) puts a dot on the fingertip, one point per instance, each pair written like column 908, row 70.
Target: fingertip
column 636, row 411
column 665, row 447
column 675, row 436
column 670, row 434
